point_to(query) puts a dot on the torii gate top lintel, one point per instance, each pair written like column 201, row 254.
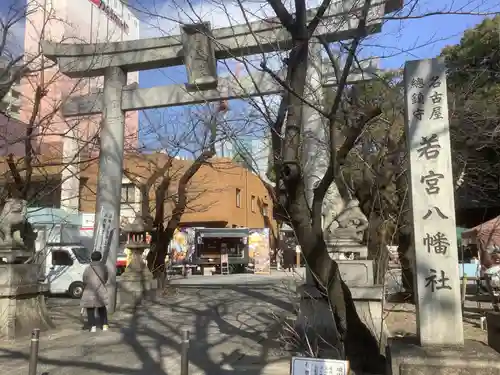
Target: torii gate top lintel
column 90, row 60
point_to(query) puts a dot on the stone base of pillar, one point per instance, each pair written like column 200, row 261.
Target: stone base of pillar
column 135, row 286
column 406, row 357
column 368, row 303
column 314, row 322
column 315, row 317
column 22, row 301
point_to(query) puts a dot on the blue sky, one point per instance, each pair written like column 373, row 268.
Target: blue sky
column 399, row 41
column 425, row 37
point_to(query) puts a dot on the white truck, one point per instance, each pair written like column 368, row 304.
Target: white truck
column 62, row 260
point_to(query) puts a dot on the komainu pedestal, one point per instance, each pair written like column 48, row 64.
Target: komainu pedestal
column 22, row 301
column 315, row 316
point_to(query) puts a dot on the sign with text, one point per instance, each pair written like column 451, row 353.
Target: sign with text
column 103, row 231
column 439, row 311
column 318, row 366
column 111, row 14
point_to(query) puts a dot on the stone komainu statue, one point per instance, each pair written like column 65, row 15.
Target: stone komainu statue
column 15, row 231
column 351, row 223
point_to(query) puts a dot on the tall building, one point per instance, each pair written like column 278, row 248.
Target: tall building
column 249, row 152
column 224, row 149
column 72, row 21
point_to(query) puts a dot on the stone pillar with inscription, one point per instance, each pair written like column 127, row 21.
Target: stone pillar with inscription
column 439, row 346
column 437, row 284
column 200, row 61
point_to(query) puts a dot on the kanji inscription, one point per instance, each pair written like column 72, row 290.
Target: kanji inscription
column 437, row 282
column 436, row 113
column 418, row 113
column 418, row 98
column 434, row 82
column 431, row 181
column 437, row 211
column 437, row 243
column 429, row 147
column 417, row 83
column 432, row 203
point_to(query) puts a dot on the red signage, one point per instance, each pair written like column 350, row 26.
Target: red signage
column 111, row 14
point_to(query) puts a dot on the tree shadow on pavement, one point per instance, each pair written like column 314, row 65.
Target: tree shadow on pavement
column 231, row 327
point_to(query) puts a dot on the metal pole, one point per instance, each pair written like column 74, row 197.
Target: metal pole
column 35, row 340
column 110, row 172
column 184, row 352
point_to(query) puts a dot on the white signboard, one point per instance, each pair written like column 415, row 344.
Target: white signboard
column 439, row 313
column 318, row 366
column 103, row 230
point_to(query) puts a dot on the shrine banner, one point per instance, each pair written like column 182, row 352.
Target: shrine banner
column 259, row 250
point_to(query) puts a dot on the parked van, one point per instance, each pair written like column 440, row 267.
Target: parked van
column 62, row 268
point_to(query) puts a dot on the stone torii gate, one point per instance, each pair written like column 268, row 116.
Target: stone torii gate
column 198, row 47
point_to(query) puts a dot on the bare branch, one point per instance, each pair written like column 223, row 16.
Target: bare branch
column 284, row 16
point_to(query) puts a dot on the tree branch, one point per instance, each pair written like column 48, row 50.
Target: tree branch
column 18, row 181
column 283, row 15
column 287, row 87
column 329, row 177
column 311, row 28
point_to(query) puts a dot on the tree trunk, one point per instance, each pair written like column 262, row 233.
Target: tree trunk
column 377, row 248
column 361, row 347
column 405, row 260
column 156, row 256
column 404, row 228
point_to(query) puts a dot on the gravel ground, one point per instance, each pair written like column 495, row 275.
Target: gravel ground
column 401, row 319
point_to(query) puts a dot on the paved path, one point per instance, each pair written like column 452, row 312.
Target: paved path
column 232, row 328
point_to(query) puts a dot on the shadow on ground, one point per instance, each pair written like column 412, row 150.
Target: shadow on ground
column 232, row 328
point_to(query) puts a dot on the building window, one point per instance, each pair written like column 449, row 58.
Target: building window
column 128, row 193
column 238, row 198
column 252, row 203
column 265, row 210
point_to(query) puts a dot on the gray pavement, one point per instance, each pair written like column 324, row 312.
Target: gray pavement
column 233, row 328
column 233, row 321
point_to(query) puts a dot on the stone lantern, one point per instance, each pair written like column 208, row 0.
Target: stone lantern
column 137, row 280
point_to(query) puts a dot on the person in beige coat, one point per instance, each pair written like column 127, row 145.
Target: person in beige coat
column 95, row 295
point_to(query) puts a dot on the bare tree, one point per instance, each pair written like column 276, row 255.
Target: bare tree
column 287, row 127
column 167, row 193
column 34, row 77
